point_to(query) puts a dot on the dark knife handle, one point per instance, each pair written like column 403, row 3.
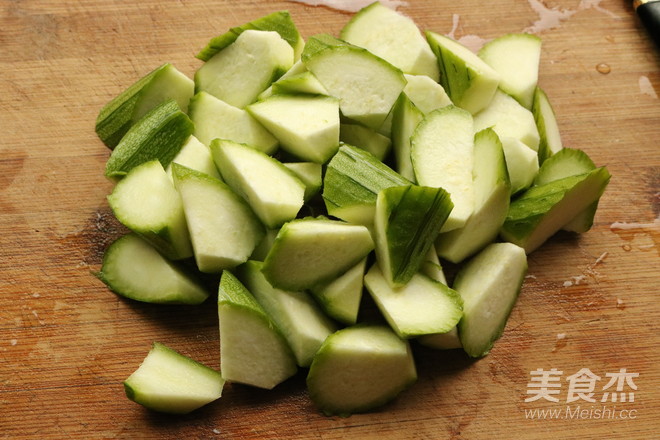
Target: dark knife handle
column 649, row 14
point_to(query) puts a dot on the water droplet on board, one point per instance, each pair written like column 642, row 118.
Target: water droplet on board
column 603, row 68
column 626, row 247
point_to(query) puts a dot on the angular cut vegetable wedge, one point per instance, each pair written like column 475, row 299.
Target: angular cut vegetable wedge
column 241, row 71
column 215, row 119
column 153, row 89
column 408, row 220
column 159, row 135
column 134, row 269
column 279, row 22
column 516, row 58
column 405, row 119
column 522, row 163
column 426, row 94
column 582, row 222
column 340, row 298
column 223, row 229
column 273, row 192
column 313, row 251
column 491, row 191
column 442, row 155
column 306, row 126
column 360, row 368
column 261, row 251
column 546, row 122
column 146, row 202
column 309, row 173
column 116, row 117
column 296, row 314
column 304, row 82
column 421, row 307
column 167, row 83
column 442, row 341
column 365, row 84
column 197, row 156
column 432, row 268
column 170, row 382
column 469, row 82
column 386, row 127
column 253, row 350
column 509, row 119
column 542, row 210
column 297, row 68
column 352, row 181
column 393, row 37
column 489, row 285
column 565, row 163
column 365, row 138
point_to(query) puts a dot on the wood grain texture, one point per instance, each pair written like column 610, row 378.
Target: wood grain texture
column 66, row 342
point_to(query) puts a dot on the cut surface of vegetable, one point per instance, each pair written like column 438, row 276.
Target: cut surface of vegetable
column 134, row 269
column 147, row 202
column 295, row 70
column 509, row 119
column 522, row 163
column 351, row 184
column 422, row 306
column 241, row 71
column 306, row 126
column 253, row 350
column 197, row 156
column 301, row 83
column 365, row 138
column 492, row 194
column 310, row 174
column 170, row 382
column 273, row 192
column 393, row 37
column 360, row 368
column 153, row 89
column 426, row 94
column 340, row 298
column 546, row 123
column 215, row 119
column 262, row 249
column 279, row 21
column 467, row 79
column 159, row 135
column 543, row 210
column 565, row 163
column 516, row 58
column 489, row 285
column 223, row 229
column 312, row 251
column 432, row 268
column 408, row 220
column 365, row 84
column 405, row 119
column 442, row 155
column 302, row 323
column 442, row 341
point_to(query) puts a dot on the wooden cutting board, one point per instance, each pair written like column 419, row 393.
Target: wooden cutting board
column 66, row 342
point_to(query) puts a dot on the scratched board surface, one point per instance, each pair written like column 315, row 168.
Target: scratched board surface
column 583, row 333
